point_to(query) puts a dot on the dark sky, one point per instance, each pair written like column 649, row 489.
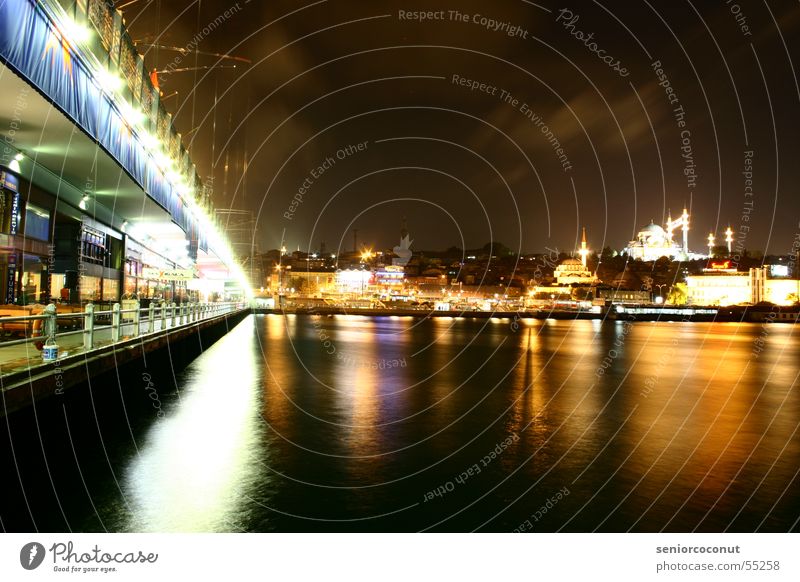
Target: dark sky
column 465, row 166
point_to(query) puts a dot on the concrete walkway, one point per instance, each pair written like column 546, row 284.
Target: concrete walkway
column 19, row 357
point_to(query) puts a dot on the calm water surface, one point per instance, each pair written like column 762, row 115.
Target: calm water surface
column 348, row 423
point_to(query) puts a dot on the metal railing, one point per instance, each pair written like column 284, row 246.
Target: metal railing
column 124, row 324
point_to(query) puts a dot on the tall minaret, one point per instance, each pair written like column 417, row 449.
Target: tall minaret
column 685, row 219
column 670, row 226
column 584, row 251
column 711, row 244
column 729, row 239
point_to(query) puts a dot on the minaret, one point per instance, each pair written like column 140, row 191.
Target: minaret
column 711, row 244
column 584, row 251
column 729, row 239
column 670, row 226
column 685, row 219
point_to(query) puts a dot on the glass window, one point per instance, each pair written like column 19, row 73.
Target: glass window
column 130, row 285
column 32, row 286
column 93, row 246
column 57, row 283
column 110, row 290
column 37, row 222
column 90, row 288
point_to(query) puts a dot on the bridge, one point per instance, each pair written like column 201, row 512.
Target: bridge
column 104, row 219
column 100, row 197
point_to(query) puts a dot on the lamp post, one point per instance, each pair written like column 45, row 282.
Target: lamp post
column 660, row 288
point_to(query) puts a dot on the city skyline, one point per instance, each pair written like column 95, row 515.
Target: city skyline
column 383, row 268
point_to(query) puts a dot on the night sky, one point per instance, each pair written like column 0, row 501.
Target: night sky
column 469, row 165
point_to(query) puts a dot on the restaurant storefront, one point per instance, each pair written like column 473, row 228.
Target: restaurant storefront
column 144, row 276
column 25, row 214
column 87, row 264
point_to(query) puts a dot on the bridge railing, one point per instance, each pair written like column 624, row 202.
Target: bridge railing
column 88, row 328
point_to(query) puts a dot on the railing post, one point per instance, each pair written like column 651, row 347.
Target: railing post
column 183, row 313
column 163, row 315
column 136, row 316
column 49, row 327
column 115, row 327
column 50, row 322
column 151, row 317
column 88, row 327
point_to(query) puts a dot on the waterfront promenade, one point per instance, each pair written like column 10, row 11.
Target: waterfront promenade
column 106, row 340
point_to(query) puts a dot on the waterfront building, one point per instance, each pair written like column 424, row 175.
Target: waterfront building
column 310, row 283
column 99, row 198
column 722, row 284
column 390, row 282
column 353, row 281
column 621, row 295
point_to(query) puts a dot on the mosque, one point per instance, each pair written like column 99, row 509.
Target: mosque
column 574, row 271
column 654, row 241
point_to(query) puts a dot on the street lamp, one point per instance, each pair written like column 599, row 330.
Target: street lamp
column 660, row 287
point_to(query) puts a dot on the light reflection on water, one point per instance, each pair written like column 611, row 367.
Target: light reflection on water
column 651, row 426
column 193, row 466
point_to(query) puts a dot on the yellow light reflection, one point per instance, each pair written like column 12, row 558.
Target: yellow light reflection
column 191, row 472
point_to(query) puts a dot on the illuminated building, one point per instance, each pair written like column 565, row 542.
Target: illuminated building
column 390, row 281
column 310, row 283
column 575, row 283
column 140, row 223
column 721, row 284
column 573, row 272
column 654, row 242
column 353, row 281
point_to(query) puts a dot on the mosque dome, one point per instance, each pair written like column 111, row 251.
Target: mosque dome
column 653, row 229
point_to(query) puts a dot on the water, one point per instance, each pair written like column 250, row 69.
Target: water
column 349, row 423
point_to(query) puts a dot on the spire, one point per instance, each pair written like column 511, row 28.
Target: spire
column 583, row 252
column 729, row 239
column 685, row 228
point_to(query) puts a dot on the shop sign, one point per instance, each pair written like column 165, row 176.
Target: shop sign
column 9, row 181
column 12, row 275
column 168, row 274
column 14, row 213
